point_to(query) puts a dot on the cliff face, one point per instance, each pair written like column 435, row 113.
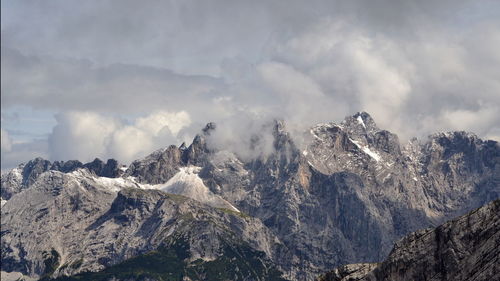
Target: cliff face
column 343, row 195
column 351, row 189
column 465, row 248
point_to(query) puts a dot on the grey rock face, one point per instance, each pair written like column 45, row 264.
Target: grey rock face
column 110, row 169
column 353, row 190
column 349, row 272
column 463, row 165
column 50, row 215
column 79, row 224
column 158, row 167
column 465, row 248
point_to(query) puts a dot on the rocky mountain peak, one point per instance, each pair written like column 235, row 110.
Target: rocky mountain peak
column 282, row 138
column 163, row 164
column 183, row 146
column 110, row 169
column 33, row 169
column 279, row 126
column 211, row 126
column 360, row 123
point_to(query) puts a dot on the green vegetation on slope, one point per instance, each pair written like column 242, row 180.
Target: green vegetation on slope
column 169, row 263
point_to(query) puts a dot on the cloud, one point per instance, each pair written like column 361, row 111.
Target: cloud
column 81, row 135
column 463, row 120
column 249, row 137
column 6, row 142
column 158, row 121
column 69, row 84
column 22, row 152
column 129, row 142
column 86, row 135
column 130, row 77
column 409, row 85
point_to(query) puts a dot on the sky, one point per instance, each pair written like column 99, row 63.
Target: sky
column 121, row 78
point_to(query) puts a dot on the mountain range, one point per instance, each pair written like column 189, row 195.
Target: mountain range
column 342, row 195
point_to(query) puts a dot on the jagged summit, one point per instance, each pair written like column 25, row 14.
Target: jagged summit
column 26, row 174
column 362, row 119
column 211, row 126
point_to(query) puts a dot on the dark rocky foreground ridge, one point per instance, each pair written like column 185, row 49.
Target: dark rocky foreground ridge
column 344, row 195
column 463, row 249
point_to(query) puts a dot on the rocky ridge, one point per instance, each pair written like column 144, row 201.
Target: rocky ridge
column 23, row 176
column 75, row 224
column 344, row 196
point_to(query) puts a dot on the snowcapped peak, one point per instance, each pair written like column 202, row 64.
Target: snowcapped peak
column 364, row 115
column 360, row 123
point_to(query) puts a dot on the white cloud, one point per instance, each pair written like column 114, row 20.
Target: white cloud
column 62, row 84
column 246, row 135
column 129, row 142
column 86, row 135
column 155, row 122
column 409, row 85
column 22, row 152
column 81, row 135
column 6, row 142
column 417, row 67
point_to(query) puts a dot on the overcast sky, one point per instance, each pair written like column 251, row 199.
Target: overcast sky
column 105, row 78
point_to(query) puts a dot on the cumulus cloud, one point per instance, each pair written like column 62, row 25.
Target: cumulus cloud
column 130, row 77
column 81, row 135
column 463, row 120
column 86, row 135
column 409, row 85
column 158, row 121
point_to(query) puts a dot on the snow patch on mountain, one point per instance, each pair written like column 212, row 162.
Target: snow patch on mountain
column 113, row 184
column 360, row 121
column 187, row 183
column 367, row 150
column 17, row 173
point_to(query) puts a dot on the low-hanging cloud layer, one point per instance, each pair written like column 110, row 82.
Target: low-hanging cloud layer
column 123, row 78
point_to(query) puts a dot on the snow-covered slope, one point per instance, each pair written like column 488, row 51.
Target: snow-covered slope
column 187, row 183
